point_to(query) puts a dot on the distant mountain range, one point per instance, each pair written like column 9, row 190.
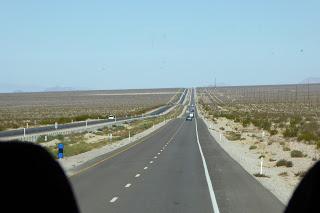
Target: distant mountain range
column 311, row 80
column 58, row 89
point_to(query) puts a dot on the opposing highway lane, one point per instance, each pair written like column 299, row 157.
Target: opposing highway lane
column 165, row 172
column 16, row 133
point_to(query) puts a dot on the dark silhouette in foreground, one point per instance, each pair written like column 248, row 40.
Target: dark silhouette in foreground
column 306, row 196
column 32, row 181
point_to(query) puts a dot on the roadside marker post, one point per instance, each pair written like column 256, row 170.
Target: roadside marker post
column 220, row 137
column 86, row 123
column 27, row 125
column 45, row 138
column 24, row 132
column 261, row 164
column 129, row 137
column 56, row 125
column 60, row 150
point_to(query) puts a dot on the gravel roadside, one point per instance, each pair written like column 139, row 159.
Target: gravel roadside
column 281, row 187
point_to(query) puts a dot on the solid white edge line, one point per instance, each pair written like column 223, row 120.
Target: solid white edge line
column 113, row 199
column 211, row 192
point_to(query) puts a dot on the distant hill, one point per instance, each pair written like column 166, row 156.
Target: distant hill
column 59, row 89
column 311, row 80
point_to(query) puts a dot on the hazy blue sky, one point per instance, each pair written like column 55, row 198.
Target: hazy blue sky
column 167, row 43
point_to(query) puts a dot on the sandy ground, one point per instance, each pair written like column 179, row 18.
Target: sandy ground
column 283, row 185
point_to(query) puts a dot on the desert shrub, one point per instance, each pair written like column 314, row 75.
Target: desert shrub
column 310, row 132
column 283, row 174
column 266, row 125
column 307, row 136
column 261, row 175
column 273, row 132
column 252, row 147
column 245, row 122
column 290, row 132
column 237, row 120
column 295, row 120
column 284, row 162
column 221, row 128
column 233, row 136
column 300, row 174
column 296, row 154
column 286, row 149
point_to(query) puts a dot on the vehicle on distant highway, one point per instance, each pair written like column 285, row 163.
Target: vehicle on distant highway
column 191, row 108
column 191, row 115
column 111, row 117
column 188, row 118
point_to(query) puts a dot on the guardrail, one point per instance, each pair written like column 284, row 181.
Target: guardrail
column 32, row 137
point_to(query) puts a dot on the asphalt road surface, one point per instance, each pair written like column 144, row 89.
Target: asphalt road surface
column 166, row 172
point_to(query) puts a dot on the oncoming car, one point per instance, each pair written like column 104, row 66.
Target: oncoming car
column 111, row 117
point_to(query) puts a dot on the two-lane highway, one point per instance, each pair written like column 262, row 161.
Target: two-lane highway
column 165, row 172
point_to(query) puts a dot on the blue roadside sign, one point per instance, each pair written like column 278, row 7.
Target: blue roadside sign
column 60, row 150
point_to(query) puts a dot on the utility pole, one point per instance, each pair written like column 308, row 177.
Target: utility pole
column 296, row 93
column 308, row 93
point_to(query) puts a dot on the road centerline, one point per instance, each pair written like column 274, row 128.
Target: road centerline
column 114, row 199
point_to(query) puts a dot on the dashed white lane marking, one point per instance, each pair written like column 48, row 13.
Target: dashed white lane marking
column 206, row 172
column 128, row 185
column 137, row 175
column 145, row 168
column 158, row 153
column 151, row 161
column 113, row 199
column 161, row 150
column 155, row 157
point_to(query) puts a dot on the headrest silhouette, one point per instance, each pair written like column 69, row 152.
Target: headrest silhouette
column 32, row 181
column 306, row 196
